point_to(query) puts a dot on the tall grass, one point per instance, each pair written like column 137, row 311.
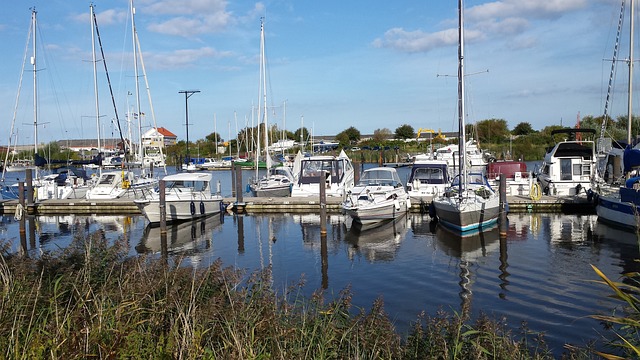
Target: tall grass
column 90, row 300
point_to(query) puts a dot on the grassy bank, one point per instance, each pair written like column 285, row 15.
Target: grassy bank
column 90, row 301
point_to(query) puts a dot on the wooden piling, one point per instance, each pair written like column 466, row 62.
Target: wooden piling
column 163, row 207
column 238, row 184
column 323, row 204
column 29, row 181
column 503, row 206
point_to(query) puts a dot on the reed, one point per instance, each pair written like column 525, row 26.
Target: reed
column 625, row 325
column 90, row 300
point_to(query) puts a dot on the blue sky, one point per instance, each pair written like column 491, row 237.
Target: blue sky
column 336, row 64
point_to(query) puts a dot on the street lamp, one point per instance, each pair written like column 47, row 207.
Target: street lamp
column 187, row 95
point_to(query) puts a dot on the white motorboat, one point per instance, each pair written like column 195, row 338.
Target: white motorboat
column 336, row 173
column 121, row 184
column 187, row 195
column 470, row 204
column 518, row 179
column 276, row 183
column 569, row 167
column 214, row 164
column 67, row 183
column 428, row 179
column 378, row 196
column 476, row 158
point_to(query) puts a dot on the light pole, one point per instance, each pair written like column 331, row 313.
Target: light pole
column 187, row 95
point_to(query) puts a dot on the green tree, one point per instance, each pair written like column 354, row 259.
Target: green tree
column 353, row 134
column 491, row 131
column 214, row 137
column 380, row 135
column 523, row 128
column 405, row 132
column 302, row 133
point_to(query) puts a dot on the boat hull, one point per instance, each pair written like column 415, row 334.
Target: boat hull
column 374, row 213
column 272, row 191
column 179, row 210
column 466, row 215
column 613, row 211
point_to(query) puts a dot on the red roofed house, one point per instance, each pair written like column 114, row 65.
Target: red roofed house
column 159, row 137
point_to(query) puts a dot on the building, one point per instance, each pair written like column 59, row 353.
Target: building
column 158, row 137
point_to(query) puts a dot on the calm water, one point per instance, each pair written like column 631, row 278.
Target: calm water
column 539, row 274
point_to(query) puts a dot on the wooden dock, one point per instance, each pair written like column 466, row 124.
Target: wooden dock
column 517, row 204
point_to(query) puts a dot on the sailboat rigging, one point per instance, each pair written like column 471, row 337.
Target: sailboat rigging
column 470, row 204
column 278, row 180
column 621, row 207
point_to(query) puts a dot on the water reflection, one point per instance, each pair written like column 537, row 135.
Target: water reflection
column 38, row 234
column 538, row 274
column 469, row 249
column 189, row 238
column 376, row 243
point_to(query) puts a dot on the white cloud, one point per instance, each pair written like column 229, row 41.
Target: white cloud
column 190, row 17
column 419, row 41
column 183, row 58
column 107, row 17
column 507, row 19
column 523, row 8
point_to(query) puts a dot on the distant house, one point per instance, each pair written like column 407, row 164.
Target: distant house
column 90, row 145
column 159, row 136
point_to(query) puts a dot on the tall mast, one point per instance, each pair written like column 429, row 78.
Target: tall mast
column 631, row 10
column 263, row 77
column 95, row 77
column 461, row 108
column 135, row 75
column 35, row 83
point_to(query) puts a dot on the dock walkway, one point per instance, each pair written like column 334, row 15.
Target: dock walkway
column 546, row 204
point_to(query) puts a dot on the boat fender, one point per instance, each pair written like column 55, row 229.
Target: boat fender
column 222, row 207
column 408, row 204
column 578, row 188
column 396, row 204
column 201, row 208
column 432, row 210
column 192, row 207
column 589, row 195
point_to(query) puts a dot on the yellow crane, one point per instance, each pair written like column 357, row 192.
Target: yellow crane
column 430, row 131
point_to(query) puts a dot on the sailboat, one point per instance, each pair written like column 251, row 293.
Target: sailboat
column 470, row 204
column 121, row 183
column 279, row 180
column 622, row 208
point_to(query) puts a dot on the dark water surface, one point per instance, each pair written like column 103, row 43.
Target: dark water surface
column 539, row 274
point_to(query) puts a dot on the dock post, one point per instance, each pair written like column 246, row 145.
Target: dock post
column 357, row 166
column 23, row 231
column 323, row 204
column 233, row 179
column 239, row 198
column 29, row 181
column 21, row 194
column 163, row 207
column 503, row 206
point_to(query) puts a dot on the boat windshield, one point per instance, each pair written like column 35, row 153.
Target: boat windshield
column 379, row 178
column 195, row 185
column 429, row 175
column 107, row 179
